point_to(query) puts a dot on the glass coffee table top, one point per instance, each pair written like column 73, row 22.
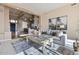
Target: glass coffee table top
column 61, row 50
column 58, row 50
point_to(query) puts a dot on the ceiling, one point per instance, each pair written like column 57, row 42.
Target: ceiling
column 37, row 8
column 43, row 7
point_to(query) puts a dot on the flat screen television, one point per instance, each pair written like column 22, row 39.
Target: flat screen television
column 25, row 31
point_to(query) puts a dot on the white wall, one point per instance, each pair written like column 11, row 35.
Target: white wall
column 73, row 16
column 1, row 22
column 4, row 23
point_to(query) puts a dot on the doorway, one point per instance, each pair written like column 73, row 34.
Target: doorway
column 13, row 30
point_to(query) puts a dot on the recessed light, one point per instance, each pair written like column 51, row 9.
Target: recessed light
column 17, row 8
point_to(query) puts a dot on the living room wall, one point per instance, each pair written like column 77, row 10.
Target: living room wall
column 73, row 17
column 4, row 23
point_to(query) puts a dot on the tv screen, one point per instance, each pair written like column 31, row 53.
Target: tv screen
column 25, row 30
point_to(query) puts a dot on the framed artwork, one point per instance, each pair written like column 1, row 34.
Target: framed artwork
column 58, row 23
